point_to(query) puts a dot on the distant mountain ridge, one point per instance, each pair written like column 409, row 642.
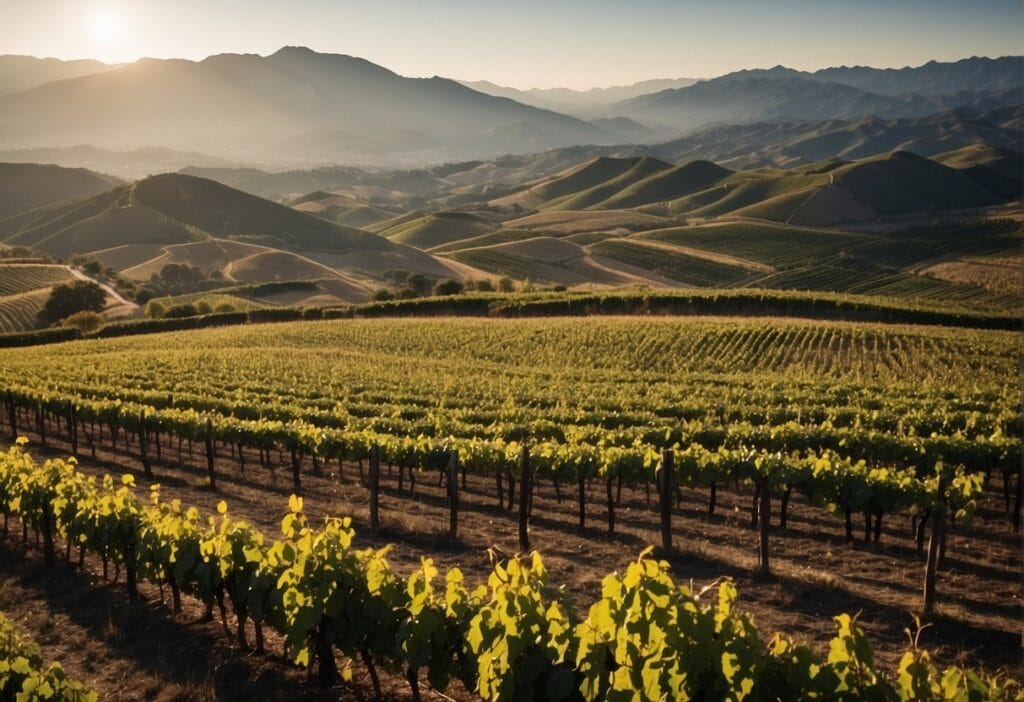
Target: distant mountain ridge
column 24, row 72
column 247, row 104
column 581, row 103
column 300, row 108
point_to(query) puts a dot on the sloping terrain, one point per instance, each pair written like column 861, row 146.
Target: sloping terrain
column 555, row 261
column 438, row 228
column 25, row 186
column 25, row 287
column 342, row 209
column 574, row 221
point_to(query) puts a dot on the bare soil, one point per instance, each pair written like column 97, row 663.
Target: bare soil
column 143, row 651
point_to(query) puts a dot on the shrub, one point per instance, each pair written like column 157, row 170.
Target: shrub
column 505, row 284
column 447, row 286
column 85, row 321
column 178, row 311
column 382, row 294
column 155, row 309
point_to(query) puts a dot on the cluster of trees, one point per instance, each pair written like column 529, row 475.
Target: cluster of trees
column 77, row 304
column 157, row 310
column 404, row 285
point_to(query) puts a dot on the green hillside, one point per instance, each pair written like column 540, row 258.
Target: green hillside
column 669, row 185
column 438, row 229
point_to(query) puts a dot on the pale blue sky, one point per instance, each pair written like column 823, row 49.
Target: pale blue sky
column 527, row 43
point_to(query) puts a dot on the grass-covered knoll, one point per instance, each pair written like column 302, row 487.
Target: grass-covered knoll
column 342, row 209
column 438, row 228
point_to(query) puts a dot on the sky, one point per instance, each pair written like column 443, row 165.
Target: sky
column 527, row 43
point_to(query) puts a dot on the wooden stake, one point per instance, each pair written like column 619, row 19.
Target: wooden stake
column 374, row 488
column 665, row 476
column 209, row 453
column 932, row 565
column 524, row 498
column 453, row 496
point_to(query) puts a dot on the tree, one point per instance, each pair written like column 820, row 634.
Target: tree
column 418, row 282
column 65, row 300
column 505, row 284
column 485, row 285
column 178, row 311
column 155, row 309
column 447, row 286
column 382, row 295
column 86, row 321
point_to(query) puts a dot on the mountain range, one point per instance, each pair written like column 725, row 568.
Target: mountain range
column 299, row 107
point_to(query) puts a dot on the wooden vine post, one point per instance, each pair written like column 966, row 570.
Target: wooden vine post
column 144, row 445
column 374, row 488
column 209, row 453
column 453, row 495
column 73, row 428
column 296, row 468
column 12, row 414
column 764, row 514
column 665, row 475
column 524, row 498
column 932, row 564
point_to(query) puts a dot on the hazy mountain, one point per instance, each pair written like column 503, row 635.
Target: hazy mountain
column 778, row 94
column 582, row 103
column 250, row 106
column 790, row 143
column 24, row 186
column 933, row 78
column 129, row 164
column 24, row 72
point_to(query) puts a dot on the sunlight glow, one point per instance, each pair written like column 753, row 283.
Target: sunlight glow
column 105, row 25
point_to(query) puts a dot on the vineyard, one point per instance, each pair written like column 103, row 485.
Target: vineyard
column 24, row 288
column 898, row 438
column 514, row 638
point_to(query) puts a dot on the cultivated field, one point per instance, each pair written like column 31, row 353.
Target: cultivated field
column 840, row 426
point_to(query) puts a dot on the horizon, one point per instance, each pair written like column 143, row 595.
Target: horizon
column 990, row 57
column 576, row 45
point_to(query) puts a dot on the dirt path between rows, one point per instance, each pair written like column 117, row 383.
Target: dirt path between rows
column 816, row 575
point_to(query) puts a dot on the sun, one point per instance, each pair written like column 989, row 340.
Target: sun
column 105, row 25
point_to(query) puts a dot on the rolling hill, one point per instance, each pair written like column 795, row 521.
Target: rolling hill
column 342, row 209
column 438, row 228
column 30, row 185
column 173, row 209
column 820, row 194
